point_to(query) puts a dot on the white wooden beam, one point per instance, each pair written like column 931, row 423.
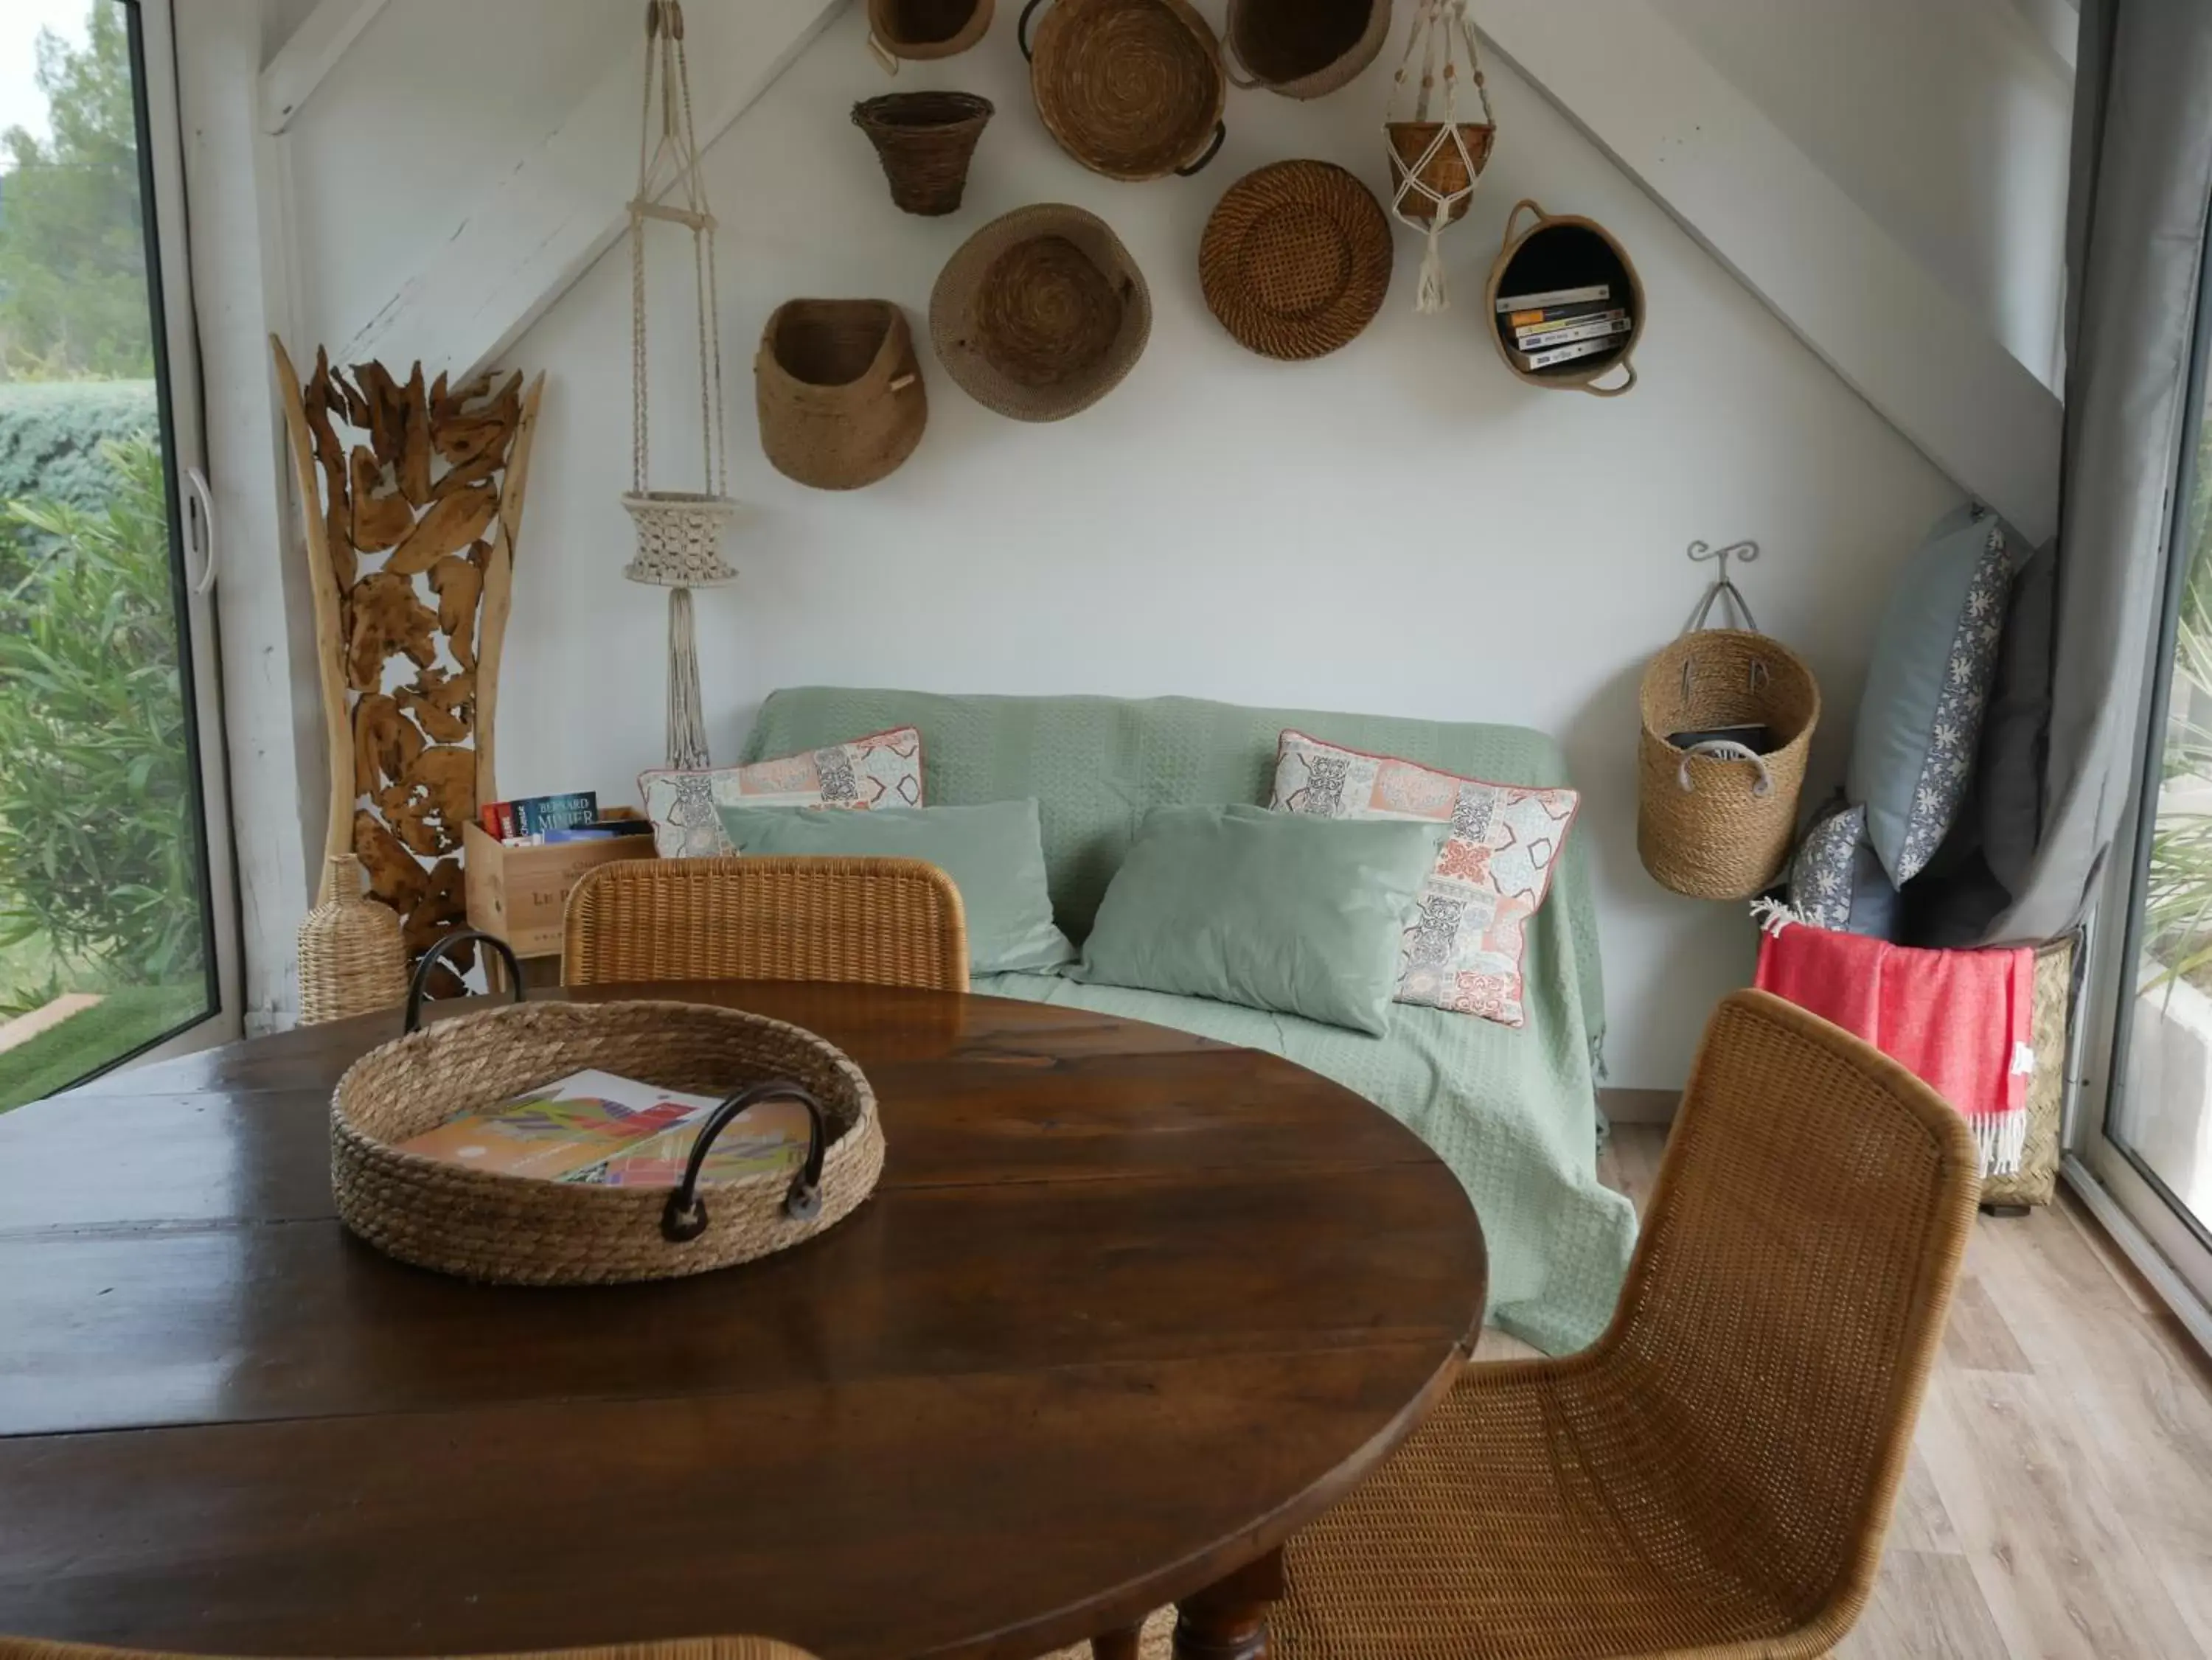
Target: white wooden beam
column 300, row 63
column 1873, row 313
column 520, row 248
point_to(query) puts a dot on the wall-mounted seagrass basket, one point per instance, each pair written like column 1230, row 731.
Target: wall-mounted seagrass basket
column 1131, row 88
column 923, row 29
column 1713, row 820
column 521, row 1230
column 924, row 140
column 1565, row 253
column 1304, row 48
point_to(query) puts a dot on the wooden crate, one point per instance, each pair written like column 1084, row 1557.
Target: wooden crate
column 518, row 893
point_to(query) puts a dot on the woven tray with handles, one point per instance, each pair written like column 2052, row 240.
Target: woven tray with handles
column 523, row 1230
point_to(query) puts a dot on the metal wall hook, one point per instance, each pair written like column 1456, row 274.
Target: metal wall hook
column 1724, row 592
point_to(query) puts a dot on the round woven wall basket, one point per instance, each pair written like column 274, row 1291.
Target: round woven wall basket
column 1304, row 48
column 1040, row 314
column 923, row 29
column 924, row 140
column 1708, row 824
column 838, row 392
column 1563, row 252
column 522, row 1230
column 1296, row 259
column 1131, row 88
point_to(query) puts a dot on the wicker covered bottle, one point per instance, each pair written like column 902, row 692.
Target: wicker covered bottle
column 352, row 959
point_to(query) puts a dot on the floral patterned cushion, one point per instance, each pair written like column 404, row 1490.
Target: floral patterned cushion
column 1836, row 881
column 881, row 770
column 1920, row 717
column 1463, row 949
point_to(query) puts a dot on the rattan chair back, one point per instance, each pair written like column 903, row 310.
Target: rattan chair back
column 872, row 921
column 1714, row 1476
column 688, row 1648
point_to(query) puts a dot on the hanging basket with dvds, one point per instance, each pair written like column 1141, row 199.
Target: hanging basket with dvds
column 1727, row 718
column 1435, row 164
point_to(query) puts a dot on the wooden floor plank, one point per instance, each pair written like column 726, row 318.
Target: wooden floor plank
column 1926, row 1607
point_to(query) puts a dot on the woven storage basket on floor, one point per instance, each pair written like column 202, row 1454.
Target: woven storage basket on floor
column 924, row 140
column 1709, row 827
column 2037, row 1181
column 1131, row 88
column 839, row 391
column 1296, row 259
column 1304, row 48
column 923, row 29
column 521, row 1230
column 353, row 960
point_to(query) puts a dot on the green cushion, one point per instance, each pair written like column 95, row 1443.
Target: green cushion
column 994, row 854
column 1279, row 910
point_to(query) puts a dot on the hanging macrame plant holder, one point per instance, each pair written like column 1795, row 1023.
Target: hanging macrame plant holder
column 1435, row 163
column 679, row 533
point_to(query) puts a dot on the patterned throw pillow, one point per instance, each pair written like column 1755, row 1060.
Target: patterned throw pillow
column 1463, row 949
column 1837, row 882
column 881, row 770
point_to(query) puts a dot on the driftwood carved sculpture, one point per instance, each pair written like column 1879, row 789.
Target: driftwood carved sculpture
column 414, row 500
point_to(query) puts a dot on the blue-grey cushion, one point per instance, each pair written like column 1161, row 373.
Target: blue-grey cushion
column 1836, row 881
column 1920, row 717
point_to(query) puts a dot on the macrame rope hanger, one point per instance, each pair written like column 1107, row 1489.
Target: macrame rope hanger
column 679, row 533
column 1441, row 28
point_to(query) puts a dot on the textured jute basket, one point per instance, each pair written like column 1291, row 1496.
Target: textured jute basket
column 519, row 1230
column 923, row 29
column 1445, row 172
column 1304, row 48
column 679, row 538
column 2036, row 1183
column 839, row 391
column 1711, row 827
column 1296, row 259
column 353, row 960
column 1564, row 251
column 924, row 140
column 1131, row 88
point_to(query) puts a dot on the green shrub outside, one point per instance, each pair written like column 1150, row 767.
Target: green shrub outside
column 50, row 435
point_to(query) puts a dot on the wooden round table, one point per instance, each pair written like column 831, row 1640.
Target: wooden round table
column 1127, row 1309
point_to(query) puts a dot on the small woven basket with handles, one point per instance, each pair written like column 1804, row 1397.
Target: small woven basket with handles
column 1710, row 823
column 523, row 1230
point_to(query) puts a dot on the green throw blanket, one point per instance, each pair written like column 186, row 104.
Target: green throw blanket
column 1514, row 1113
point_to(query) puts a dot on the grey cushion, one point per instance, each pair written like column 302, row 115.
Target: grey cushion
column 1835, row 880
column 1920, row 717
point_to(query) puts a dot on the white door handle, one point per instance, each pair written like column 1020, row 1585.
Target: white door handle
column 203, row 500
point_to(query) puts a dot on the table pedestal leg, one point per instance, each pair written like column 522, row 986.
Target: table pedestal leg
column 1228, row 1621
column 1116, row 1644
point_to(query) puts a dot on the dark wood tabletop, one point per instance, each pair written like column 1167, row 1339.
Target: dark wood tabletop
column 1127, row 1308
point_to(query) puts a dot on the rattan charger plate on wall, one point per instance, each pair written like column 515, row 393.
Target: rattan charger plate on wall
column 519, row 1230
column 1296, row 259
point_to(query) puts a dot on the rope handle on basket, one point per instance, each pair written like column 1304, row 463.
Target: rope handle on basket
column 1534, row 207
column 685, row 1216
column 436, row 955
column 1725, row 749
column 1596, row 391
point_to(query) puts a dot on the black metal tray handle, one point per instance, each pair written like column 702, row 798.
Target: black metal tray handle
column 436, row 955
column 685, row 1216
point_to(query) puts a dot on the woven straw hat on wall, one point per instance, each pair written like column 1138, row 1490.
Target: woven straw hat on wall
column 839, row 391
column 1040, row 314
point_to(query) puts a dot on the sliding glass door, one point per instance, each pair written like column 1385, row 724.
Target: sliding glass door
column 117, row 932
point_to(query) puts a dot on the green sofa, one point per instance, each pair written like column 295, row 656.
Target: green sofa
column 1513, row 1113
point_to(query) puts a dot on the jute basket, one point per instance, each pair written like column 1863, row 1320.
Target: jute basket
column 353, row 960
column 2036, row 1183
column 1304, row 48
column 1707, row 825
column 518, row 1230
column 924, row 140
column 838, row 392
column 1557, row 251
column 1131, row 88
column 1445, row 173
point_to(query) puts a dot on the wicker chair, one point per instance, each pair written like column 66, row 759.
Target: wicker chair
column 690, row 1648
column 880, row 922
column 1714, row 1478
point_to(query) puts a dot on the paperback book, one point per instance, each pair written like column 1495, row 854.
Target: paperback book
column 1545, row 358
column 1600, row 327
column 1550, row 298
column 533, row 815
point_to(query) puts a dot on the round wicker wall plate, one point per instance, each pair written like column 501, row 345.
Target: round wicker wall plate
column 1040, row 314
column 1296, row 259
column 838, row 392
column 1131, row 88
column 519, row 1230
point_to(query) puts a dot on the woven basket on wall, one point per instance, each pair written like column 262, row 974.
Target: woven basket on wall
column 1131, row 88
column 1304, row 48
column 523, row 1230
column 839, row 391
column 1444, row 173
column 353, row 960
column 1708, row 826
column 923, row 29
column 1296, row 259
column 1565, row 250
column 924, row 140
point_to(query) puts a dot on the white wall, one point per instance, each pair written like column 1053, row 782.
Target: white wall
column 1400, row 528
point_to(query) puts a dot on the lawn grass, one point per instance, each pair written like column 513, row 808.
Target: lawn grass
column 121, row 1023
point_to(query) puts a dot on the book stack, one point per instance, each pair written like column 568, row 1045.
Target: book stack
column 542, row 820
column 1562, row 324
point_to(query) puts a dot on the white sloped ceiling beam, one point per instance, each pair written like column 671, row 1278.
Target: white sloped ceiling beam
column 1851, row 292
column 303, row 61
column 520, row 247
